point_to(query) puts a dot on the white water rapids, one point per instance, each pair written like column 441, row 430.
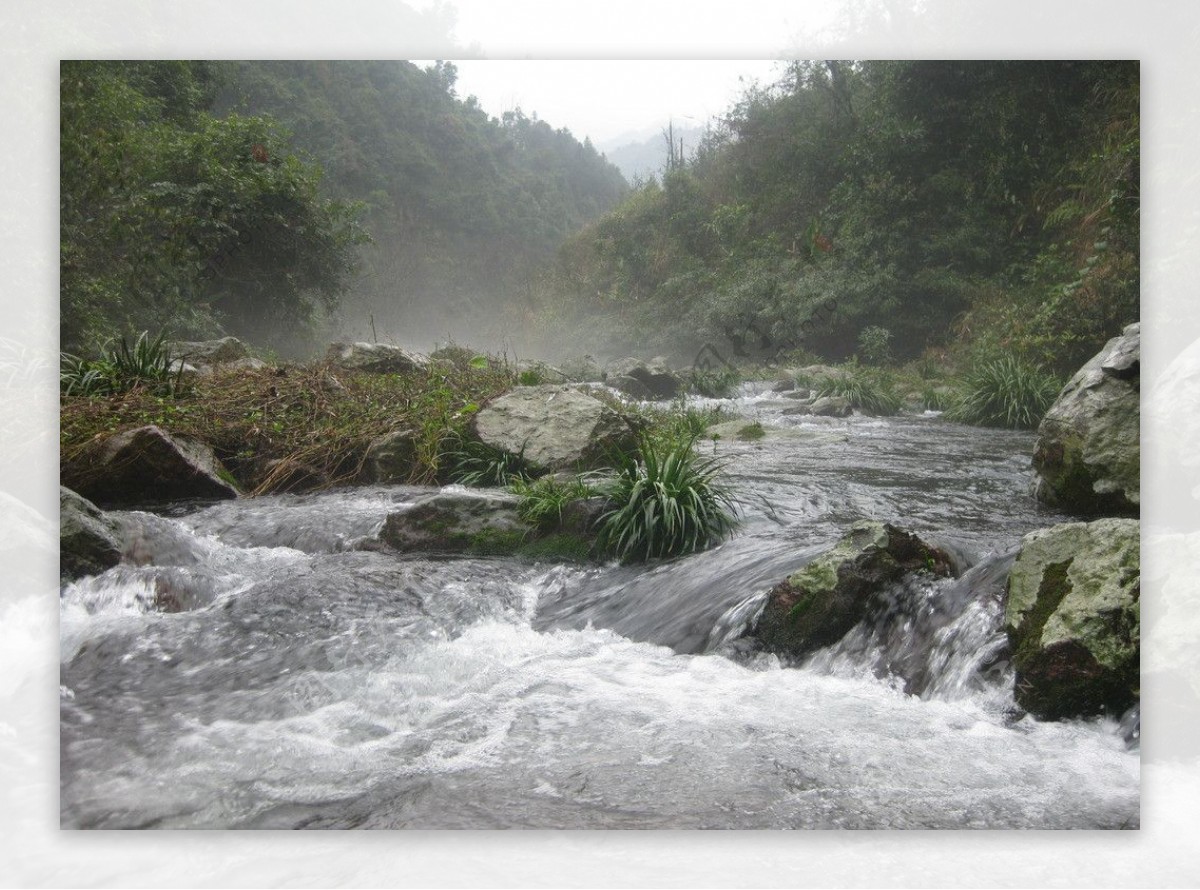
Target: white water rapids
column 303, row 683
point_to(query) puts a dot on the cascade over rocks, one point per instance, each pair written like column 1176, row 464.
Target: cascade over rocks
column 89, row 541
column 377, row 358
column 553, row 427
column 819, row 604
column 1073, row 619
column 1088, row 453
column 147, row 465
column 643, row 380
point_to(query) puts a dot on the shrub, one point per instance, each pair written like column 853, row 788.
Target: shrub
column 1005, row 392
column 935, row 398
column 666, row 503
column 869, row 392
column 874, row 345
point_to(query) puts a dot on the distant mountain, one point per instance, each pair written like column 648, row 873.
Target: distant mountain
column 642, row 155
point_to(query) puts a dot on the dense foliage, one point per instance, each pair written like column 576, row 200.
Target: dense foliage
column 881, row 208
column 259, row 198
column 174, row 218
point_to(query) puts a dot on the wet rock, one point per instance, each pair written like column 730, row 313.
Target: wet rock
column 554, row 427
column 1088, row 454
column 582, row 370
column 458, row 522
column 831, row 406
column 390, row 459
column 1073, row 619
column 654, row 376
column 797, row 410
column 377, row 358
column 89, row 541
column 632, row 387
column 819, row 604
column 786, row 384
column 210, row 352
column 799, row 394
column 148, row 465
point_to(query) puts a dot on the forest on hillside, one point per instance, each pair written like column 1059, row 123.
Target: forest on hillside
column 286, row 201
column 880, row 209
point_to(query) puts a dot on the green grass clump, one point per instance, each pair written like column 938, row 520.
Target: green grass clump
column 667, row 502
column 544, row 501
column 479, row 465
column 716, row 384
column 870, row 392
column 121, row 367
column 1005, row 392
column 751, row 431
column 934, row 398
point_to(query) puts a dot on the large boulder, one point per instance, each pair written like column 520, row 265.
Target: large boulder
column 819, row 604
column 1073, row 619
column 653, row 378
column 1088, row 454
column 89, row 541
column 148, row 465
column 458, row 522
column 553, row 427
column 377, row 358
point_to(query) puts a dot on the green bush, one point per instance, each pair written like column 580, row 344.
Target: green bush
column 1005, row 392
column 666, row 503
column 874, row 345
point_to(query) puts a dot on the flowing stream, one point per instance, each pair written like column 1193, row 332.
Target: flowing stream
column 249, row 668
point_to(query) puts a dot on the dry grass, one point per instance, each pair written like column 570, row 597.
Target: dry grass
column 273, row 426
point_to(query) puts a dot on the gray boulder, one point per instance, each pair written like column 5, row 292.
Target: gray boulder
column 819, row 604
column 632, row 387
column 1073, row 619
column 831, row 406
column 89, row 541
column 148, row 465
column 210, row 352
column 553, row 427
column 449, row 521
column 377, row 358
column 654, row 376
column 1088, row 455
column 391, row 458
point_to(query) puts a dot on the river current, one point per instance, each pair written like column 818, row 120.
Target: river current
column 248, row 667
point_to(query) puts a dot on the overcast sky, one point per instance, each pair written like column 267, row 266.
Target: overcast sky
column 575, row 82
column 614, row 101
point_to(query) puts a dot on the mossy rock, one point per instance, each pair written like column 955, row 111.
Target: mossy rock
column 820, row 603
column 1073, row 619
column 482, row 523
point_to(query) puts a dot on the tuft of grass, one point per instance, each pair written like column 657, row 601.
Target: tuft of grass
column 870, row 392
column 544, row 501
column 751, row 431
column 667, row 502
column 476, row 464
column 1005, row 392
column 716, row 384
column 933, row 398
column 122, row 367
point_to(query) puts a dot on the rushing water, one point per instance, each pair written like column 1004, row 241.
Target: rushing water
column 248, row 667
